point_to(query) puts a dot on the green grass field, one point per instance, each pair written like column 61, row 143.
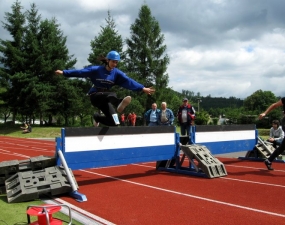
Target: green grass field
column 37, row 132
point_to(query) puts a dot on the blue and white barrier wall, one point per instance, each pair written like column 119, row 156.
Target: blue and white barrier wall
column 109, row 146
column 226, row 138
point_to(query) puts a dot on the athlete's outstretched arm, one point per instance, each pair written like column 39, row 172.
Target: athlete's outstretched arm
column 149, row 90
column 270, row 108
column 58, row 72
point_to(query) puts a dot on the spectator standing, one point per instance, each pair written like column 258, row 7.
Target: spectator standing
column 276, row 134
column 129, row 119
column 165, row 116
column 123, row 119
column 186, row 117
column 280, row 149
column 151, row 116
column 133, row 119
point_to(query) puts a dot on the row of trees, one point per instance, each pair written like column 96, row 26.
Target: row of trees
column 38, row 48
column 30, row 89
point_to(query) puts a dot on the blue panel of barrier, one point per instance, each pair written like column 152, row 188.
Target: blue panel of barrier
column 226, row 139
column 223, row 147
column 110, row 146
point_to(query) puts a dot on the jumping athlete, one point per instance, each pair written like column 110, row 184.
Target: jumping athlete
column 104, row 77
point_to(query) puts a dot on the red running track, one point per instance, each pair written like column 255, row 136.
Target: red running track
column 138, row 194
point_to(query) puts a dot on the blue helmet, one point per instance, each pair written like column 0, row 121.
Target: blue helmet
column 113, row 55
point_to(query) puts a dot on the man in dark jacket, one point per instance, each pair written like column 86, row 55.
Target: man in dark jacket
column 151, row 116
column 186, row 117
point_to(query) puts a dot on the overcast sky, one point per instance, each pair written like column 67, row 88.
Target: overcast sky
column 221, row 48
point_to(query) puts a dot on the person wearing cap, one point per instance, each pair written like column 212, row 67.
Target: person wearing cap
column 103, row 78
column 186, row 117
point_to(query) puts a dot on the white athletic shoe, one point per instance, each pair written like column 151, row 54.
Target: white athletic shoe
column 126, row 101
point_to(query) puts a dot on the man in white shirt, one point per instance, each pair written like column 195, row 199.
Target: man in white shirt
column 165, row 116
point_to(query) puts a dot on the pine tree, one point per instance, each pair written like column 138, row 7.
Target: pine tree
column 28, row 101
column 36, row 50
column 107, row 40
column 147, row 60
column 54, row 55
column 12, row 57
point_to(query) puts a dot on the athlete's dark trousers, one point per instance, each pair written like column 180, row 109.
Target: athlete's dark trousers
column 105, row 101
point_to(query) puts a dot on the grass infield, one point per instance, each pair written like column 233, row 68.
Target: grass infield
column 37, row 131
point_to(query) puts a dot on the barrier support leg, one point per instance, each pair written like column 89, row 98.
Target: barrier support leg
column 192, row 169
column 75, row 194
column 266, row 153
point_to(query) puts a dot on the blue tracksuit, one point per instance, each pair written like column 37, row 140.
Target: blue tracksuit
column 100, row 96
column 104, row 79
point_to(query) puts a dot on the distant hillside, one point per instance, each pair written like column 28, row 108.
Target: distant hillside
column 209, row 102
column 220, row 102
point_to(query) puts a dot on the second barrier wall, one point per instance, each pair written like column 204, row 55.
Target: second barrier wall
column 222, row 139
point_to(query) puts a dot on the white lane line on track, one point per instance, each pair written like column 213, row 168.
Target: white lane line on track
column 39, row 148
column 190, row 196
column 107, row 167
column 142, row 165
column 26, row 146
column 14, row 144
column 30, row 149
column 4, row 150
column 25, row 156
column 253, row 182
column 248, row 167
column 14, row 154
column 226, row 178
column 27, row 143
column 92, row 216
